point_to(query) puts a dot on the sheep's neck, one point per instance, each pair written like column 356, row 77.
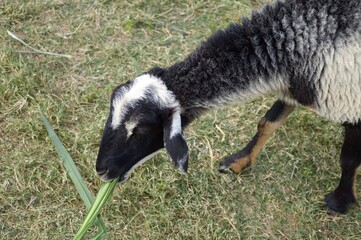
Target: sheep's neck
column 227, row 68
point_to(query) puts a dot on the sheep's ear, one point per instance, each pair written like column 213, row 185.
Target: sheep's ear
column 174, row 142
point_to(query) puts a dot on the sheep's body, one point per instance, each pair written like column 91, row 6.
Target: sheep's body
column 306, row 52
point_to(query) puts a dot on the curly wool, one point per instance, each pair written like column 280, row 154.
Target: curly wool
column 306, row 52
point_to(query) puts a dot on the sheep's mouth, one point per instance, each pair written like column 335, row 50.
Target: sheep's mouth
column 102, row 172
column 104, row 176
column 108, row 175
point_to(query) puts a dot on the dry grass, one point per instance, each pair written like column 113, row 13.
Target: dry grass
column 281, row 198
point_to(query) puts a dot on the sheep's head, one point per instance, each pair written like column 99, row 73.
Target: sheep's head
column 144, row 117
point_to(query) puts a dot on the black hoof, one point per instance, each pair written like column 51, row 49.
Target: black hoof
column 339, row 203
column 236, row 163
column 224, row 169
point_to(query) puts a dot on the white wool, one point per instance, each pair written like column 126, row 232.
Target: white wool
column 176, row 127
column 339, row 93
column 129, row 127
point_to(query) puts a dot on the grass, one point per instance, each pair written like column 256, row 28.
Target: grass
column 93, row 206
column 281, row 198
column 105, row 192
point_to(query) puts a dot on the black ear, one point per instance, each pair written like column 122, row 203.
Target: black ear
column 174, row 141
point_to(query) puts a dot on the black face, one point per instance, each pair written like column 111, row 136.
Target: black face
column 144, row 117
column 139, row 134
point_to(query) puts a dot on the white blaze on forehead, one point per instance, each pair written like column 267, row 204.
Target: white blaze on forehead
column 127, row 96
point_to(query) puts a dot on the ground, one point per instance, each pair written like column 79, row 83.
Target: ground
column 109, row 41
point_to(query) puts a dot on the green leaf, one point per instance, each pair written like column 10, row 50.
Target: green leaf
column 103, row 195
column 73, row 172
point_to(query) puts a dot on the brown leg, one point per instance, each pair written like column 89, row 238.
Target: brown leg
column 273, row 119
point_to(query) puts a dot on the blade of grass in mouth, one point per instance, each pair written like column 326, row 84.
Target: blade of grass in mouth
column 103, row 195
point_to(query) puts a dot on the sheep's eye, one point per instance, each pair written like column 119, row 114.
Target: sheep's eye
column 141, row 129
column 136, row 133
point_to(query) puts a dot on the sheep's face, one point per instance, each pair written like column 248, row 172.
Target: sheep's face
column 144, row 117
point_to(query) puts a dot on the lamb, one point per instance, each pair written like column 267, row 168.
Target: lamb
column 307, row 53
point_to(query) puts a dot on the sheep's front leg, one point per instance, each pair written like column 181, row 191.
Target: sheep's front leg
column 273, row 119
column 343, row 197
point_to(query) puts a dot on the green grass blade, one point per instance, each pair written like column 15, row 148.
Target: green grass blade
column 11, row 34
column 73, row 172
column 103, row 195
column 138, row 69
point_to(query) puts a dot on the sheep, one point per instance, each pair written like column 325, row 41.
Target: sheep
column 307, row 53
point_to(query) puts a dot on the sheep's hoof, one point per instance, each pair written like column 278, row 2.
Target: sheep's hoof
column 235, row 163
column 339, row 202
column 224, row 169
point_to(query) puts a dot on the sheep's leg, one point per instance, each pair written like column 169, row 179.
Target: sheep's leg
column 273, row 119
column 343, row 197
